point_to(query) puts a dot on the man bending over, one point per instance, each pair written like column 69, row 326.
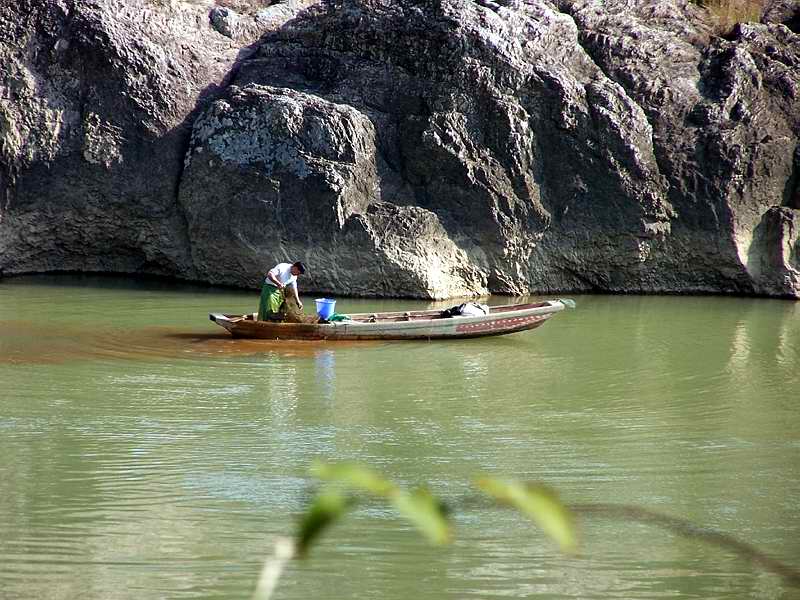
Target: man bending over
column 273, row 291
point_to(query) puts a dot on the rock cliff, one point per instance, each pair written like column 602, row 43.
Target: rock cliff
column 427, row 149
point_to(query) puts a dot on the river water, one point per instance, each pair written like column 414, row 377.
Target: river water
column 144, row 454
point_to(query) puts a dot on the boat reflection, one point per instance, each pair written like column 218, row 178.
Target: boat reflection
column 325, row 374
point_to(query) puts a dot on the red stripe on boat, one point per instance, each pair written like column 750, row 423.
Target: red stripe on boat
column 509, row 323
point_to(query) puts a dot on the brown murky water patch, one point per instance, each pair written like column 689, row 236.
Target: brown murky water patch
column 25, row 342
column 33, row 343
column 171, row 342
column 223, row 343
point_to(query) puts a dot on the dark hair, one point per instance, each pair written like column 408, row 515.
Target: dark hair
column 300, row 267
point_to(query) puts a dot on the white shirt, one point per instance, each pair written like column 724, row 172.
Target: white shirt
column 283, row 273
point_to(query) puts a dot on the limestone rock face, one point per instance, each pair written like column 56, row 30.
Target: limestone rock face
column 785, row 12
column 427, row 149
column 272, row 172
column 725, row 118
column 97, row 99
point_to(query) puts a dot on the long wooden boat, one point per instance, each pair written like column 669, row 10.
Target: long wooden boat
column 411, row 325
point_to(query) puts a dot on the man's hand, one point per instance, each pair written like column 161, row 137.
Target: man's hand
column 300, row 305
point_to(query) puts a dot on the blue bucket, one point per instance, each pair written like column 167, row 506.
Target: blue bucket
column 325, row 307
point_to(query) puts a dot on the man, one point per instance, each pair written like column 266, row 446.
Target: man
column 278, row 278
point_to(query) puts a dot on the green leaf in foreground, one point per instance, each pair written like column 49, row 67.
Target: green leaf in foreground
column 539, row 503
column 354, row 477
column 326, row 508
column 420, row 507
column 427, row 513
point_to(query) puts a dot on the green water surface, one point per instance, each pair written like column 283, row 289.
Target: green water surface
column 144, row 454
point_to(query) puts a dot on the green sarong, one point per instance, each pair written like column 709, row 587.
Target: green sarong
column 271, row 300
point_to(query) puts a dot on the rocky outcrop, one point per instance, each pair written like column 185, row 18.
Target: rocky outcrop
column 277, row 172
column 784, row 12
column 725, row 131
column 97, row 100
column 427, row 149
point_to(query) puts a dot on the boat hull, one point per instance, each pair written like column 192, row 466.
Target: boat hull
column 422, row 325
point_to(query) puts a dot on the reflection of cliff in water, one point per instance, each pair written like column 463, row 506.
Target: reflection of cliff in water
column 765, row 352
column 774, row 332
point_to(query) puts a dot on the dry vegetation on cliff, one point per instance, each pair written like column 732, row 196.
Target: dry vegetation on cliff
column 727, row 13
column 244, row 6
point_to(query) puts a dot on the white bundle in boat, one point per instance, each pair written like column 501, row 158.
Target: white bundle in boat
column 473, row 309
column 468, row 309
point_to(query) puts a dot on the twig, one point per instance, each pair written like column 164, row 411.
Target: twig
column 283, row 552
column 687, row 529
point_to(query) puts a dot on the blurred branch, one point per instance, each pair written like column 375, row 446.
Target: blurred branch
column 689, row 530
column 430, row 516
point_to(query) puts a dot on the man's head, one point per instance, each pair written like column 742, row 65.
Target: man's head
column 298, row 268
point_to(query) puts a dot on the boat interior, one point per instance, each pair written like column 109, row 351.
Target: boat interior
column 433, row 314
column 416, row 315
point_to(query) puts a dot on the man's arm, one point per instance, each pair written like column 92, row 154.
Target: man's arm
column 296, row 296
column 271, row 276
